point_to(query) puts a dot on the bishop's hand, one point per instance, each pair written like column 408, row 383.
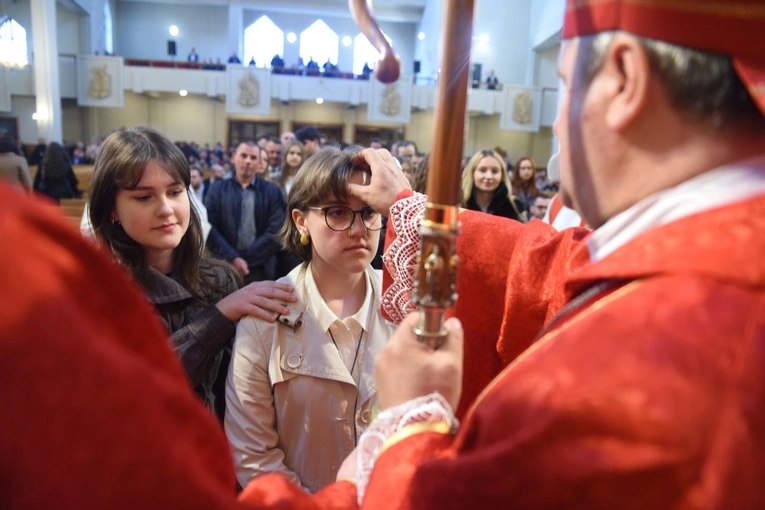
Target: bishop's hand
column 386, row 182
column 407, row 368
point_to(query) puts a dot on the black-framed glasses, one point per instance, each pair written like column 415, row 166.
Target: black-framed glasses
column 340, row 218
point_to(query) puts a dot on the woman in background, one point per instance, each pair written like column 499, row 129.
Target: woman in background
column 524, row 182
column 300, row 390
column 292, row 158
column 140, row 208
column 13, row 168
column 55, row 176
column 486, row 186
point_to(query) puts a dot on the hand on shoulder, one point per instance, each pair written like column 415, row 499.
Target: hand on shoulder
column 263, row 300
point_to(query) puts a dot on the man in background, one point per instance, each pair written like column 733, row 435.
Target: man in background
column 274, row 150
column 287, row 138
column 538, row 206
column 407, row 148
column 245, row 214
column 310, row 138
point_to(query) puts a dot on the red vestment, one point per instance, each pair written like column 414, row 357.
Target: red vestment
column 649, row 394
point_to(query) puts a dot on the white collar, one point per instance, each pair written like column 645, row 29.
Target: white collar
column 722, row 186
column 326, row 317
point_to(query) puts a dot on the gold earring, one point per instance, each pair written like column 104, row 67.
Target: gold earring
column 304, row 239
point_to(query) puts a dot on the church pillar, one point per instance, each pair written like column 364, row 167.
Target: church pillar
column 47, row 91
column 235, row 31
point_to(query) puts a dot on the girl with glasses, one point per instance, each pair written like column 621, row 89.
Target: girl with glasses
column 300, row 391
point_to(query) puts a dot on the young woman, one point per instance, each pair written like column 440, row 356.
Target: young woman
column 524, row 181
column 13, row 167
column 300, row 391
column 292, row 158
column 261, row 165
column 486, row 187
column 140, row 209
column 55, row 176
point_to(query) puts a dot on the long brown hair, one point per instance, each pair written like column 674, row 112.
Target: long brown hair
column 286, row 170
column 530, row 186
column 120, row 164
column 55, row 162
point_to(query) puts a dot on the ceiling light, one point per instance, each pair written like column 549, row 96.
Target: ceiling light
column 174, row 31
column 319, row 100
column 421, row 36
column 291, row 37
column 183, row 92
column 34, row 116
column 347, row 41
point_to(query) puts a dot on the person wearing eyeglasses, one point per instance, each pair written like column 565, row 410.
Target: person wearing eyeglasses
column 300, row 391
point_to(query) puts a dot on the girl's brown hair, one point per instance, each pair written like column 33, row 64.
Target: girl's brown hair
column 120, row 164
column 529, row 186
column 326, row 172
column 286, row 170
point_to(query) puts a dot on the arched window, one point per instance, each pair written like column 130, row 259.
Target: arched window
column 320, row 42
column 364, row 53
column 262, row 40
column 108, row 34
column 13, row 43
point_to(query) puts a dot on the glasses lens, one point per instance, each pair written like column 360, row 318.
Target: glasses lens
column 339, row 217
column 372, row 219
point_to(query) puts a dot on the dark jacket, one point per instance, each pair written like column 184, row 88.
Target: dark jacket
column 224, row 206
column 200, row 332
column 500, row 204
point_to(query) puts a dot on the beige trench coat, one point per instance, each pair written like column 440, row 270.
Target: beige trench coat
column 291, row 405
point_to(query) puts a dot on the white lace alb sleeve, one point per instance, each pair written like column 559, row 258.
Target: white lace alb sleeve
column 400, row 259
column 430, row 409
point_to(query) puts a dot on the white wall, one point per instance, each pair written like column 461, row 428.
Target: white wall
column 506, row 23
column 403, row 35
column 142, row 30
column 67, row 31
column 546, row 20
column 428, row 51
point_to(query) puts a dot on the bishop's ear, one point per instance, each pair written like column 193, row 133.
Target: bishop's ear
column 628, row 68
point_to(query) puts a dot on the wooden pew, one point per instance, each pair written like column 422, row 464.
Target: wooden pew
column 73, row 209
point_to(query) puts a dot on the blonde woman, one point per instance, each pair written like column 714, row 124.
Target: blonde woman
column 486, row 186
column 300, row 391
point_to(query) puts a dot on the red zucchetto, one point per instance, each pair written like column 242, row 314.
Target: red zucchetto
column 729, row 27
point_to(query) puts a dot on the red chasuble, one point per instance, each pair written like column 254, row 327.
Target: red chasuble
column 647, row 393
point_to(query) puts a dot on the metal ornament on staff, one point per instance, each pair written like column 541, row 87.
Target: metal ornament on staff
column 435, row 282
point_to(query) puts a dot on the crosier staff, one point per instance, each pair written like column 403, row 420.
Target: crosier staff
column 435, row 287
